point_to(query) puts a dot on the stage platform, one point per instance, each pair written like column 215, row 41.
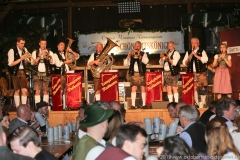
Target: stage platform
column 62, row 117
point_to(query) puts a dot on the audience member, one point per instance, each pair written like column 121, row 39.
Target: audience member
column 175, row 147
column 193, row 133
column 81, row 131
column 219, row 141
column 235, row 132
column 132, row 139
column 1, row 107
column 115, row 105
column 42, row 108
column 209, row 112
column 5, row 152
column 25, row 141
column 91, row 145
column 172, row 109
column 178, row 106
column 80, row 116
column 33, row 122
column 23, row 116
column 102, row 104
column 4, row 121
column 225, row 110
column 114, row 123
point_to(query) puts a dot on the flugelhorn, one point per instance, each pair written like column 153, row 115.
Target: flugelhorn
column 29, row 55
column 135, row 53
column 46, row 55
column 164, row 55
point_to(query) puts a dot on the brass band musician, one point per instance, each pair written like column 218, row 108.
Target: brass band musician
column 93, row 59
column 170, row 62
column 41, row 61
column 17, row 58
column 62, row 63
column 137, row 60
column 195, row 59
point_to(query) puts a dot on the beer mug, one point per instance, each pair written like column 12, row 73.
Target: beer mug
column 40, row 119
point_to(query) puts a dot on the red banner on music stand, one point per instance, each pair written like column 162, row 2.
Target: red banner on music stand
column 188, row 88
column 153, row 87
column 56, row 93
column 109, row 86
column 73, row 90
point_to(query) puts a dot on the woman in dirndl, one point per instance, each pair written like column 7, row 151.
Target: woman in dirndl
column 222, row 81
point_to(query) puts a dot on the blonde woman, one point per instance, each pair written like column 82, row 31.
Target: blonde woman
column 219, row 141
column 222, row 80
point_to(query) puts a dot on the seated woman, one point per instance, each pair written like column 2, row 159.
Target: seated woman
column 235, row 132
column 4, row 121
column 219, row 141
column 176, row 148
column 114, row 123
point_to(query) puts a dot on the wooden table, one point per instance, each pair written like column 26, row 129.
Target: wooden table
column 58, row 148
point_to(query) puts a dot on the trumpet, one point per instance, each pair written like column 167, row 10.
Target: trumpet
column 46, row 55
column 164, row 55
column 28, row 54
column 135, row 53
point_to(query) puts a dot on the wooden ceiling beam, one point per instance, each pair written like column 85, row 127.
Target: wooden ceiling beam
column 51, row 5
column 6, row 11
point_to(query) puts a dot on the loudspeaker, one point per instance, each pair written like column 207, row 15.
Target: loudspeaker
column 159, row 104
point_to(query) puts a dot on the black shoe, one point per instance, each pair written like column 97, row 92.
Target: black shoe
column 132, row 107
column 145, row 107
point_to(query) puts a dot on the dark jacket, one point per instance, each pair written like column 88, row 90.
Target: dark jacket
column 7, row 154
column 14, row 69
column 173, row 69
column 197, row 133
column 14, row 124
column 200, row 67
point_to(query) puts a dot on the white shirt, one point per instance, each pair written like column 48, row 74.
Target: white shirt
column 230, row 156
column 175, row 60
column 216, row 57
column 228, row 123
column 91, row 58
column 11, row 57
column 145, row 60
column 41, row 66
column 204, row 58
column 59, row 63
column 235, row 136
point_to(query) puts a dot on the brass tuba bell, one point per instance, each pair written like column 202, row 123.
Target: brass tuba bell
column 105, row 60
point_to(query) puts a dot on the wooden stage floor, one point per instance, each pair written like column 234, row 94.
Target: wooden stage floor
column 62, row 117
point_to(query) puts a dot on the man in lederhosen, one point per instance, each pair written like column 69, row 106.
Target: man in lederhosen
column 62, row 63
column 171, row 71
column 16, row 62
column 42, row 58
column 93, row 60
column 137, row 60
column 195, row 59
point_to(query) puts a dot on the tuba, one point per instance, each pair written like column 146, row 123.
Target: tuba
column 105, row 60
column 67, row 55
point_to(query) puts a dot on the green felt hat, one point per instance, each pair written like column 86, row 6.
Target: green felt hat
column 94, row 115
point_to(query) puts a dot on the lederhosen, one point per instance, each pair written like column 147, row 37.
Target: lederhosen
column 200, row 74
column 137, row 78
column 18, row 75
column 171, row 76
column 42, row 78
column 96, row 81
